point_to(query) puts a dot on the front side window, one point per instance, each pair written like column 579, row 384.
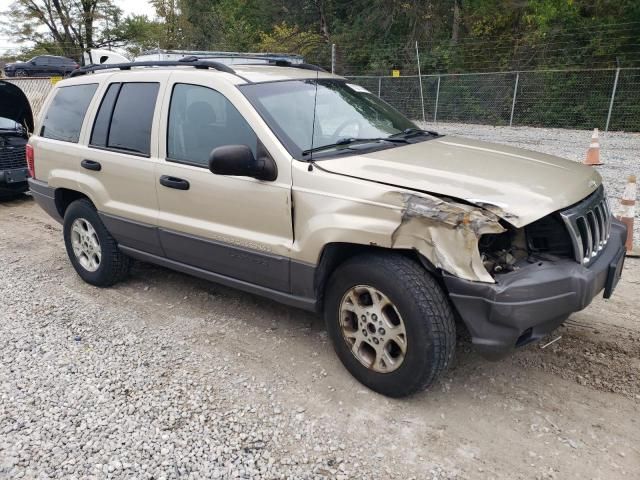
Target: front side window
column 125, row 118
column 65, row 115
column 201, row 119
column 342, row 112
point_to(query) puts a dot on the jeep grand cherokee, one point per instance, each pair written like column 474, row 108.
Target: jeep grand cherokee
column 292, row 183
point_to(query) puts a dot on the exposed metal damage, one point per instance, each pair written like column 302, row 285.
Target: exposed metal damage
column 447, row 233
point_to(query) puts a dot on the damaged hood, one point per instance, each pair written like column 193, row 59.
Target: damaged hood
column 518, row 185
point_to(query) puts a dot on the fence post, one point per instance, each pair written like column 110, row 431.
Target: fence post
column 333, row 58
column 435, row 110
column 515, row 94
column 379, row 86
column 420, row 78
column 613, row 96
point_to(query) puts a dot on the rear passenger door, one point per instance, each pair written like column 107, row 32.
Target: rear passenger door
column 56, row 66
column 58, row 143
column 40, row 66
column 238, row 227
column 118, row 169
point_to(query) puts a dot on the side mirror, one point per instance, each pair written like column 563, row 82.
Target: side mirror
column 238, row 160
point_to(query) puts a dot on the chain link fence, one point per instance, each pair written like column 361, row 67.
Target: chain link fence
column 35, row 89
column 608, row 99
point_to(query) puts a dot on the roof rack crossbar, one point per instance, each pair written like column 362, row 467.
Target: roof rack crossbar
column 185, row 62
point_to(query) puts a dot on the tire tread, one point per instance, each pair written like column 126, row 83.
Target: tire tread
column 117, row 264
column 435, row 312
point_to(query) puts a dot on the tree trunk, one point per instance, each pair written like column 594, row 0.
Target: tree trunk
column 457, row 17
column 324, row 27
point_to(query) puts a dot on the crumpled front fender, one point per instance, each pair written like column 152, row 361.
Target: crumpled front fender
column 446, row 233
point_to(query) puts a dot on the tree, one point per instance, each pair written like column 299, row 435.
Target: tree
column 70, row 27
column 287, row 39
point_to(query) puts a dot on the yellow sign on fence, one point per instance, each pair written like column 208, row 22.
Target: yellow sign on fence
column 55, row 80
column 395, row 73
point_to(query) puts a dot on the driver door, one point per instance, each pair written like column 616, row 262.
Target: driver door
column 237, row 227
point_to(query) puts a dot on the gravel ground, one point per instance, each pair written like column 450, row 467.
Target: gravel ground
column 89, row 391
column 167, row 376
column 619, row 151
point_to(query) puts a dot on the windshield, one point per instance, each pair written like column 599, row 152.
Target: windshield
column 344, row 113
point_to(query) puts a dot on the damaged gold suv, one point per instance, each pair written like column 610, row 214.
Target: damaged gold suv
column 289, row 182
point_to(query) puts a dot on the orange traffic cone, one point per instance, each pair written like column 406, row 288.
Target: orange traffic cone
column 628, row 213
column 593, row 154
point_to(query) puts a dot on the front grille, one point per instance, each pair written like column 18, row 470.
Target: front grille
column 12, row 157
column 549, row 236
column 589, row 226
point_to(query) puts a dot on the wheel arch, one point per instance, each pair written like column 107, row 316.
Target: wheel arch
column 335, row 254
column 65, row 196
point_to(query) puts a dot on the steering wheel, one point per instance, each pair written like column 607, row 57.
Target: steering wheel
column 344, row 125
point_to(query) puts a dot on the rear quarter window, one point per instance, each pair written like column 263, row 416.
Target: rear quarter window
column 63, row 120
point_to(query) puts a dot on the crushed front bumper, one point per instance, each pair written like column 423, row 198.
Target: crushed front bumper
column 527, row 304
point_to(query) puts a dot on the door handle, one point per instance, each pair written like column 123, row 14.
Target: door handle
column 91, row 165
column 174, row 182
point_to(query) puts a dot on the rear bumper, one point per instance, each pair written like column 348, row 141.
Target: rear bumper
column 527, row 304
column 45, row 197
column 14, row 180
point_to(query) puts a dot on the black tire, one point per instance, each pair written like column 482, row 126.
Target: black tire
column 114, row 265
column 21, row 73
column 423, row 307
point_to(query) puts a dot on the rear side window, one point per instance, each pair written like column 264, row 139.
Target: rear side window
column 65, row 115
column 125, row 118
column 201, row 119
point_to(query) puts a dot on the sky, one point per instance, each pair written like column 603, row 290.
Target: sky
column 137, row 7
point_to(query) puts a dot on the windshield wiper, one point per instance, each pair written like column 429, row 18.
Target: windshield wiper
column 414, row 132
column 352, row 141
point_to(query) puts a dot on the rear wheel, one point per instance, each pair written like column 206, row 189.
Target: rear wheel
column 92, row 250
column 390, row 323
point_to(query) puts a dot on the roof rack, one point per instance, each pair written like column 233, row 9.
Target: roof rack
column 193, row 61
column 183, row 62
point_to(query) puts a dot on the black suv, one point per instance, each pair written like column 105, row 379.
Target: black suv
column 16, row 119
column 41, row 66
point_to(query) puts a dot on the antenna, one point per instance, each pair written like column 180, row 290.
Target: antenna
column 313, row 125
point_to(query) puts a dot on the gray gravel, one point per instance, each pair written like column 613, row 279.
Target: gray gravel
column 620, row 151
column 91, row 392
column 84, row 395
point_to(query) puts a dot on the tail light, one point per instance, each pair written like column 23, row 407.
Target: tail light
column 31, row 164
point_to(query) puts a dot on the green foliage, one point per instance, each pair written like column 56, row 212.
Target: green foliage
column 286, row 39
column 372, row 36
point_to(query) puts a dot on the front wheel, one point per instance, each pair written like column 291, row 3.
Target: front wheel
column 92, row 250
column 391, row 324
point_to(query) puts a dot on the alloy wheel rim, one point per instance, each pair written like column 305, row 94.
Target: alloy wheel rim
column 373, row 329
column 86, row 245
